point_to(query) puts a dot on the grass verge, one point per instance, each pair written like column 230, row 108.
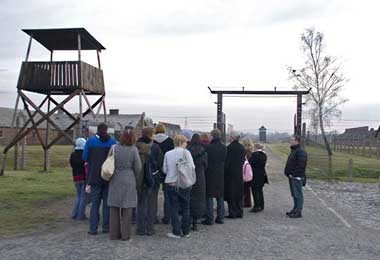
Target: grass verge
column 26, row 198
column 319, row 167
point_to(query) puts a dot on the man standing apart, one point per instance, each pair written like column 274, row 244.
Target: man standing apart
column 233, row 177
column 95, row 153
column 295, row 170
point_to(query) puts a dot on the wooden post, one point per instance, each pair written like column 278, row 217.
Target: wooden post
column 104, row 108
column 15, row 162
column 80, row 115
column 29, row 46
column 299, row 115
column 22, row 159
column 79, row 47
column 219, row 112
column 98, row 55
column 350, row 174
column 12, row 126
column 46, row 149
column 224, row 136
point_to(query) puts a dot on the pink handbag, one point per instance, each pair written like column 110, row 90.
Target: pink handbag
column 247, row 171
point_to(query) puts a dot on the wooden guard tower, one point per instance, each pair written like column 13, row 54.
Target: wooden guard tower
column 71, row 79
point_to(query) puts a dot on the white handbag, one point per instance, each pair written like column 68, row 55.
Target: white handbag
column 108, row 166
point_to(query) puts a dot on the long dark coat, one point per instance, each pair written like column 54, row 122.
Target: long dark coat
column 198, row 191
column 233, row 175
column 216, row 152
column 258, row 160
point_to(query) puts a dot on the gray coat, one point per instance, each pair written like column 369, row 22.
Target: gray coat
column 122, row 187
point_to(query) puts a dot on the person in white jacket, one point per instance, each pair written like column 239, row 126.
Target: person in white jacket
column 179, row 199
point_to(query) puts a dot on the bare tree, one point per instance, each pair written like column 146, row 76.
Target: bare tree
column 322, row 75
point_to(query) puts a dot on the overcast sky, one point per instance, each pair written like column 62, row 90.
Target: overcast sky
column 162, row 55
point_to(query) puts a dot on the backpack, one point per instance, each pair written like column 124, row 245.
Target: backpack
column 247, row 171
column 152, row 167
column 186, row 176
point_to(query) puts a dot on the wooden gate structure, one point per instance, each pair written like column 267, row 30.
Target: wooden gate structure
column 220, row 118
column 72, row 79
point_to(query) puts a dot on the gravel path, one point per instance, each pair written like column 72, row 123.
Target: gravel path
column 267, row 235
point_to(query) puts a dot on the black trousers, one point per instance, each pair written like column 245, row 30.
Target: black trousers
column 235, row 207
column 247, row 195
column 258, row 197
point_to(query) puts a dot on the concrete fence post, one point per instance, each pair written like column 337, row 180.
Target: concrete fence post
column 350, row 174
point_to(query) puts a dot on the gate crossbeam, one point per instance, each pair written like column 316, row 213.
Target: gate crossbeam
column 297, row 93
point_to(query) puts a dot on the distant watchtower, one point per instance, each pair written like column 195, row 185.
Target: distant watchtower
column 262, row 134
column 70, row 79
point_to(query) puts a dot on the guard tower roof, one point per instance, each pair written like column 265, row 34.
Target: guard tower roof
column 64, row 38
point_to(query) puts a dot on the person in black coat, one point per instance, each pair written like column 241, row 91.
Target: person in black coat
column 166, row 144
column 216, row 152
column 257, row 161
column 295, row 170
column 233, row 177
column 198, row 190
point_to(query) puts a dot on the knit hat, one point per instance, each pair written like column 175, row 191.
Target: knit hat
column 187, row 133
column 80, row 143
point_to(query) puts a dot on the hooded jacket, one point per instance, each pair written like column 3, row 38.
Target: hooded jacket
column 95, row 153
column 164, row 142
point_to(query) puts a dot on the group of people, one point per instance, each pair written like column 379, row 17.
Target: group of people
column 143, row 166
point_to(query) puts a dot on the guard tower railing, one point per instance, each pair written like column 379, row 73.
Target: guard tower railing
column 61, row 77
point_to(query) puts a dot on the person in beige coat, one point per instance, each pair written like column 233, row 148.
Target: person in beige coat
column 122, row 194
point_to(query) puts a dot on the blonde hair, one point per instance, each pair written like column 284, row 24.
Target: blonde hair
column 160, row 129
column 248, row 144
column 179, row 140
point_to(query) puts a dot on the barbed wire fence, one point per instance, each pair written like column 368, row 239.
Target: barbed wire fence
column 356, row 155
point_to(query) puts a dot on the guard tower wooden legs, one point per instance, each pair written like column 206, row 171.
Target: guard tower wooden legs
column 12, row 129
column 32, row 123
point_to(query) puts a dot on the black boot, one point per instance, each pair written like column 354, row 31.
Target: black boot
column 206, row 222
column 296, row 214
column 290, row 212
column 256, row 209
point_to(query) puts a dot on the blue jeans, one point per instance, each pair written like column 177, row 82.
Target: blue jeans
column 297, row 192
column 179, row 200
column 79, row 210
column 219, row 210
column 99, row 192
column 166, row 204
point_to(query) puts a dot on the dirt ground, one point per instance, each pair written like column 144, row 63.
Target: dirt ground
column 328, row 230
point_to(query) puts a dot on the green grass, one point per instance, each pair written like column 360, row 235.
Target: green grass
column 34, row 154
column 364, row 169
column 26, row 199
